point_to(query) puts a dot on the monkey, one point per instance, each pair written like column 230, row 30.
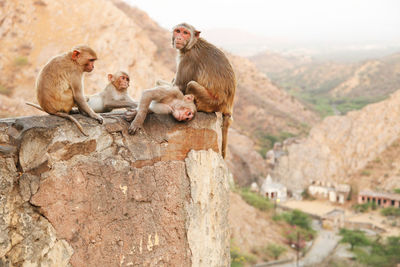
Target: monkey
column 115, row 95
column 204, row 71
column 59, row 85
column 163, row 99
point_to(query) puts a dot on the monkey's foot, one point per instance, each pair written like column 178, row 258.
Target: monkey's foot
column 133, row 129
column 129, row 115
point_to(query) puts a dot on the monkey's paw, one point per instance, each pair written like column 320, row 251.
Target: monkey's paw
column 134, row 128
column 99, row 119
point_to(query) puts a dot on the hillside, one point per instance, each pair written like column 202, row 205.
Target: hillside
column 274, row 63
column 333, row 87
column 340, row 147
column 373, row 78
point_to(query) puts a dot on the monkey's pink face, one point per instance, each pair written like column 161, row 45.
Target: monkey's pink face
column 185, row 109
column 183, row 114
column 181, row 37
column 123, row 81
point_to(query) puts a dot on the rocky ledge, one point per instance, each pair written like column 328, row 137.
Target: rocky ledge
column 158, row 198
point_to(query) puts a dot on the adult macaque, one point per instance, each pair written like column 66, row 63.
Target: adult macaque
column 161, row 100
column 204, row 71
column 115, row 95
column 59, row 86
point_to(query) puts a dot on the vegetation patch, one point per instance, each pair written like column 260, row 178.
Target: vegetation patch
column 365, row 207
column 267, row 140
column 255, row 200
column 5, row 90
column 20, row 61
column 238, row 258
column 382, row 253
column 391, row 211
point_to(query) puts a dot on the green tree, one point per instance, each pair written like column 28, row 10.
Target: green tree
column 353, row 237
column 275, row 250
column 299, row 218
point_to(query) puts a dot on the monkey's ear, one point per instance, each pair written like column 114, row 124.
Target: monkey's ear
column 110, row 77
column 75, row 54
column 197, row 34
column 189, row 98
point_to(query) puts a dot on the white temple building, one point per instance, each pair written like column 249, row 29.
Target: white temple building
column 273, row 190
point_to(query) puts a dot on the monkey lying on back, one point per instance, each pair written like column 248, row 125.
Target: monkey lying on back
column 115, row 95
column 163, row 99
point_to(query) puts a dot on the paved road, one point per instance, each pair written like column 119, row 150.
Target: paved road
column 323, row 246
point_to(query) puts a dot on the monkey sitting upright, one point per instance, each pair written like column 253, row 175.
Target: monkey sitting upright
column 165, row 99
column 204, row 71
column 59, row 86
column 115, row 95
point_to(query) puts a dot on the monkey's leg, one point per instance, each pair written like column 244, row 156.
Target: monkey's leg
column 204, row 100
column 66, row 116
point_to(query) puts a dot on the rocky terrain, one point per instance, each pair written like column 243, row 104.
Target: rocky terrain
column 159, row 198
column 340, row 146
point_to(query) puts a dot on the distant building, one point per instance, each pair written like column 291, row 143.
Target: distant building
column 335, row 193
column 333, row 219
column 380, row 198
column 273, row 190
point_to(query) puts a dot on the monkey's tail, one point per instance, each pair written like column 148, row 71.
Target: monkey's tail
column 75, row 121
column 62, row 115
column 35, row 106
column 226, row 122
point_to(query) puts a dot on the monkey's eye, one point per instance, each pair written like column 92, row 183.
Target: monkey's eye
column 177, row 30
column 189, row 113
column 92, row 60
column 185, row 32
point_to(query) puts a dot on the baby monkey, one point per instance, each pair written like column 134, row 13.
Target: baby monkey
column 115, row 95
column 164, row 99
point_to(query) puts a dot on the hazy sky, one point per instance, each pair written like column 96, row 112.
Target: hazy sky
column 304, row 20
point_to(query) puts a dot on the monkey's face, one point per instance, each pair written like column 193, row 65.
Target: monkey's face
column 181, row 37
column 89, row 66
column 122, row 82
column 183, row 114
column 185, row 110
column 84, row 59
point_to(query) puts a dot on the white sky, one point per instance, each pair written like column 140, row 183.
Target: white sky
column 348, row 21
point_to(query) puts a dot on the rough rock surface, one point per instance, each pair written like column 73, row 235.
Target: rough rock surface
column 341, row 145
column 158, row 198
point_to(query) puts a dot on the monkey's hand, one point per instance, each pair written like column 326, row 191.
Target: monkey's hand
column 98, row 118
column 134, row 127
column 130, row 114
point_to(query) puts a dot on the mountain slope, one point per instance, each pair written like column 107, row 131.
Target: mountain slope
column 341, row 146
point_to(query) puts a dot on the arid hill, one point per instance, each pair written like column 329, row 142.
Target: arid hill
column 342, row 149
column 332, row 87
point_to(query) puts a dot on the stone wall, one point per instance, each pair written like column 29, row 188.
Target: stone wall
column 158, row 198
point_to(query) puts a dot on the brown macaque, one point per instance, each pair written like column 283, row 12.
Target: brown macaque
column 115, row 95
column 161, row 100
column 59, row 86
column 204, row 71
